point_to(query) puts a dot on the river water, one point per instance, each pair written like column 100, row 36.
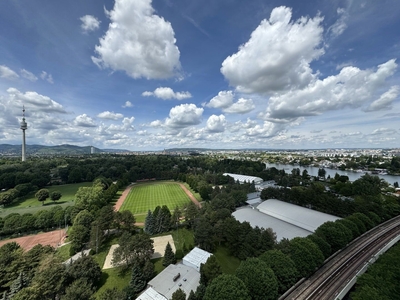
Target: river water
column 313, row 171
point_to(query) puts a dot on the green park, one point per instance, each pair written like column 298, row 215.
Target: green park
column 30, row 204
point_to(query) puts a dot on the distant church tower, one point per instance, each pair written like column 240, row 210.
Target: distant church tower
column 24, row 127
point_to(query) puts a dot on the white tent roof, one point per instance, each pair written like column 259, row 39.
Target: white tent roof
column 244, row 178
column 302, row 217
column 281, row 228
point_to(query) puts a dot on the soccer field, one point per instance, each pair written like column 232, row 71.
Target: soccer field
column 145, row 196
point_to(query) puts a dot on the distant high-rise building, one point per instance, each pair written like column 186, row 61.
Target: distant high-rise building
column 24, row 127
column 92, row 150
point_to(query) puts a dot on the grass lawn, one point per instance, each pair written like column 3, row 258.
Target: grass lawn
column 182, row 236
column 63, row 252
column 30, row 204
column 113, row 278
column 149, row 195
column 228, row 263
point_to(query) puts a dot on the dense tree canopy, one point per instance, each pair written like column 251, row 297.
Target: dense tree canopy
column 226, row 287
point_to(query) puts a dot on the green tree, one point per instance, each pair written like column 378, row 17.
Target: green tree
column 79, row 236
column 84, row 218
column 335, row 234
column 149, row 223
column 85, row 267
column 259, row 279
column 305, row 255
column 148, row 270
column 137, row 282
column 50, row 278
column 90, row 198
column 210, row 270
column 79, row 289
column 283, row 268
column 18, row 284
column 178, row 295
column 112, row 294
column 55, row 195
column 126, row 221
column 42, row 195
column 169, row 256
column 105, row 217
column 133, row 249
column 321, row 243
column 226, row 287
column 203, row 234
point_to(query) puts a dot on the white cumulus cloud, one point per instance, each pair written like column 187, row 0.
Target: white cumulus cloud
column 166, row 93
column 352, row 87
column 138, row 42
column 184, row 115
column 35, row 101
column 84, row 121
column 278, row 55
column 242, row 106
column 385, row 100
column 225, row 101
column 216, row 123
column 110, row 115
column 89, row 23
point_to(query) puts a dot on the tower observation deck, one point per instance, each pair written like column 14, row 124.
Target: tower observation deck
column 24, row 126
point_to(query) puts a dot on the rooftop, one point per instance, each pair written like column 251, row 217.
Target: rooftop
column 165, row 285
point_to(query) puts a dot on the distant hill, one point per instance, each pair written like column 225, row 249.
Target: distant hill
column 40, row 150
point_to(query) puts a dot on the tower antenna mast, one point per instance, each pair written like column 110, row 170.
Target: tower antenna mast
column 24, row 127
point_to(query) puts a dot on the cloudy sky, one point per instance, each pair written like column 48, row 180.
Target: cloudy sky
column 149, row 75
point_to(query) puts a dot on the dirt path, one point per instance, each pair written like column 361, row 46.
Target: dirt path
column 52, row 238
column 122, row 198
column 190, row 195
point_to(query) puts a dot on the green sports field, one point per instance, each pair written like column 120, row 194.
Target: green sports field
column 145, row 196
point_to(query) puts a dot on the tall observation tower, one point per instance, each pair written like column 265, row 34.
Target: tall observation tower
column 24, row 127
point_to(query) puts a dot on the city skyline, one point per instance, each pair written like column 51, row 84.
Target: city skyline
column 149, row 75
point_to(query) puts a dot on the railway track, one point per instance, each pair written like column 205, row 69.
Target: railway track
column 331, row 278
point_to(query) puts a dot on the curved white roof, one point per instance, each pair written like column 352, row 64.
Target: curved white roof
column 305, row 218
column 281, row 228
column 244, row 178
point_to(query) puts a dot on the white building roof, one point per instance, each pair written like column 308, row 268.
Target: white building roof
column 196, row 257
column 244, row 178
column 165, row 285
column 281, row 228
column 302, row 217
column 151, row 294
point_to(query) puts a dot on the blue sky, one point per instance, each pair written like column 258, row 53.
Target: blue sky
column 149, row 75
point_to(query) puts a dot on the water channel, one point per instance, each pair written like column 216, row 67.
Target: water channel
column 313, row 171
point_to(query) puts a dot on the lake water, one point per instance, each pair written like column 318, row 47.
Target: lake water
column 313, row 171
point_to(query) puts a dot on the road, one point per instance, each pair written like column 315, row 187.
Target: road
column 332, row 277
